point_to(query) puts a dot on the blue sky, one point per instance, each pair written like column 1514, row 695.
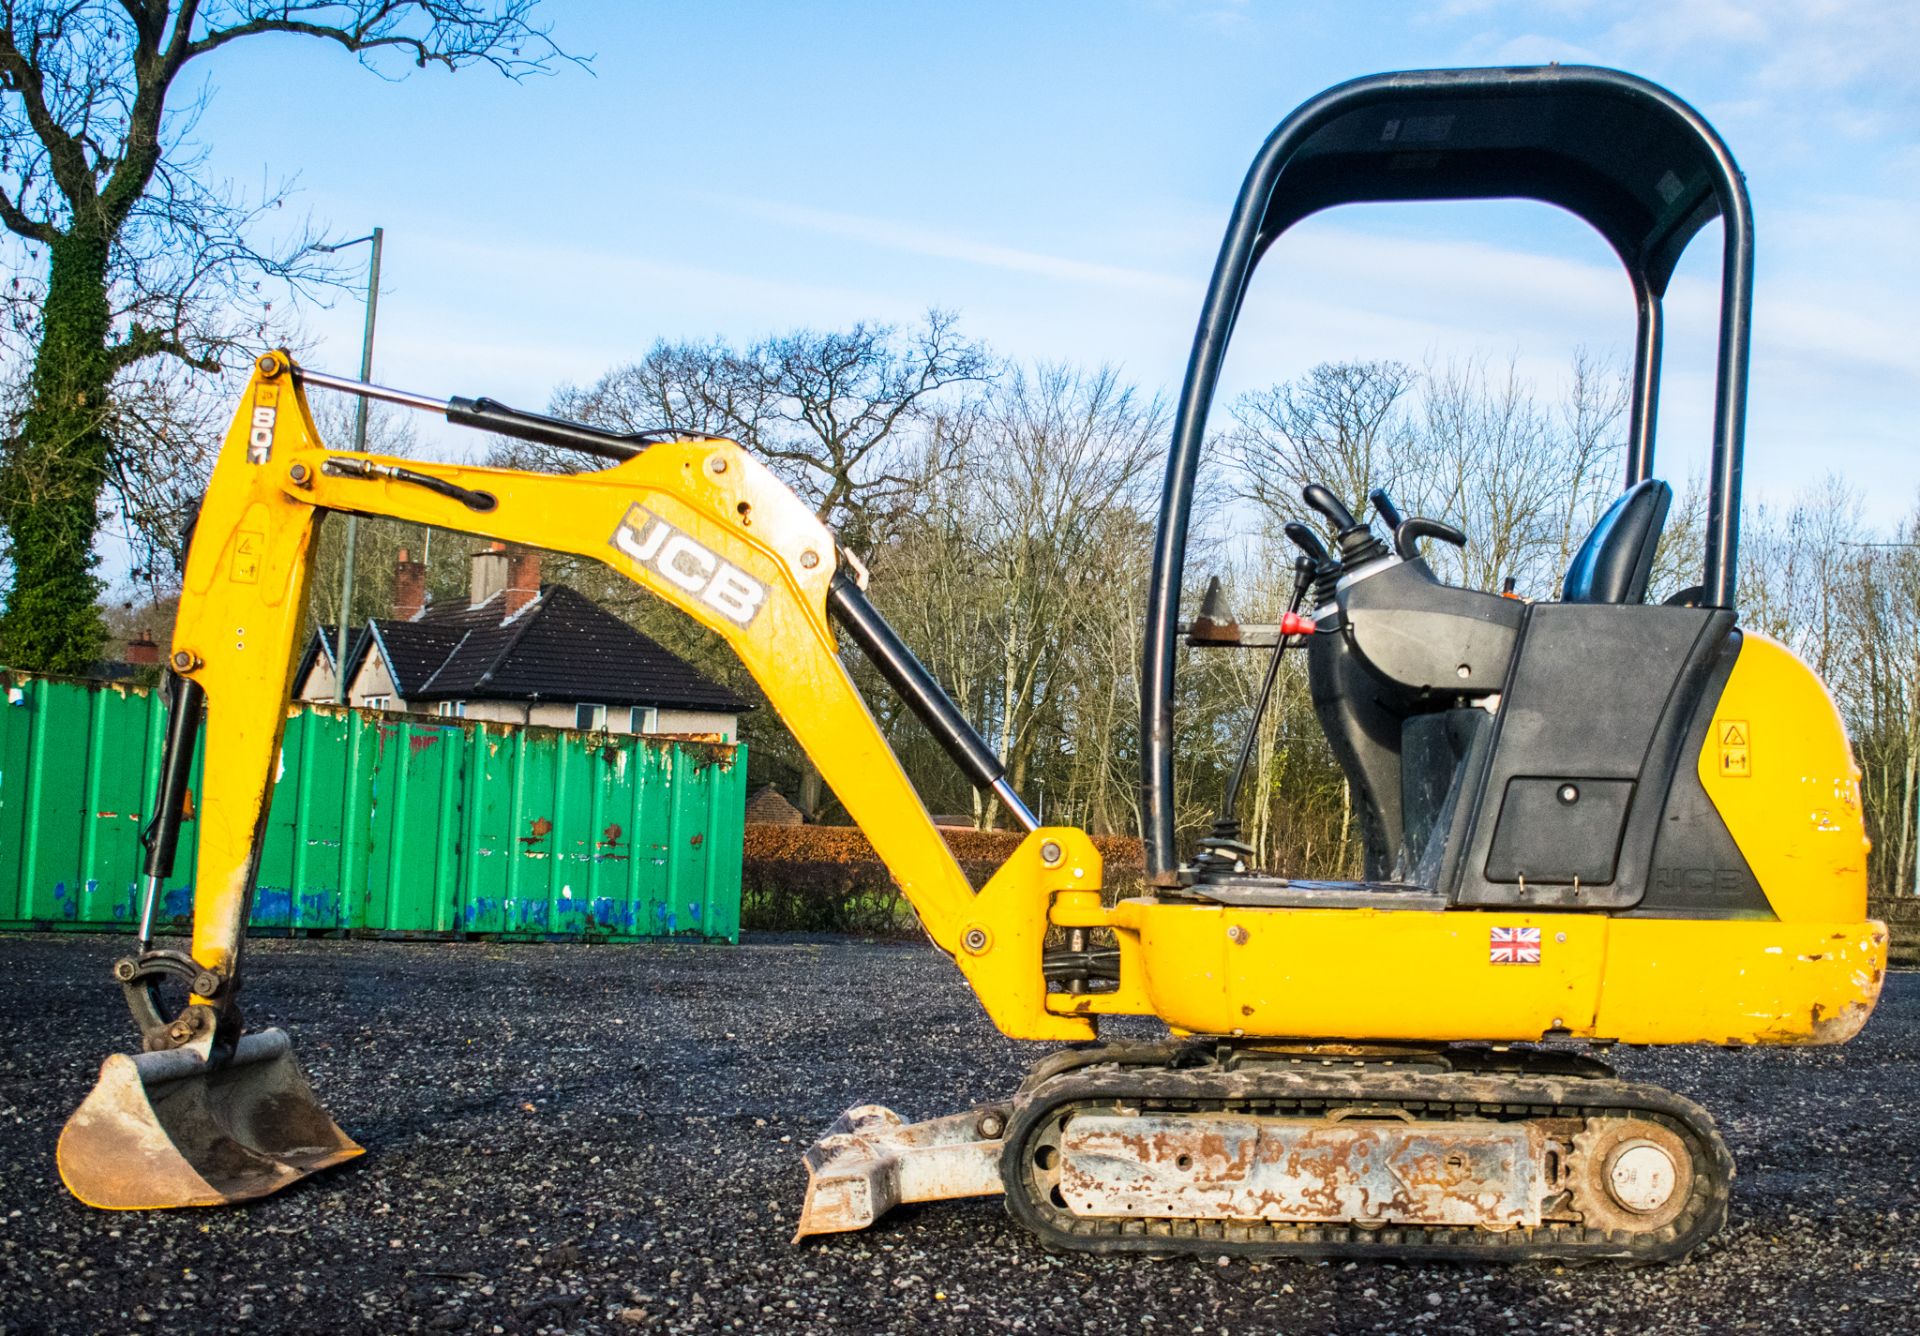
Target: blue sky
column 1060, row 174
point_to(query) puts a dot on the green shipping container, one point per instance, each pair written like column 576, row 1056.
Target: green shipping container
column 381, row 823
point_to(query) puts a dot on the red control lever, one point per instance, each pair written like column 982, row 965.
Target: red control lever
column 1293, row 624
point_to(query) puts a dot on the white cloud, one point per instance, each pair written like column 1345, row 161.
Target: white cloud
column 1538, row 49
column 938, row 244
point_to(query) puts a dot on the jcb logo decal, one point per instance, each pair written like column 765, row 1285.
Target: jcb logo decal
column 719, row 584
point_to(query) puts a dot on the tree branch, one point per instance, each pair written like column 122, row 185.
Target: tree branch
column 66, row 158
column 20, row 223
column 457, row 32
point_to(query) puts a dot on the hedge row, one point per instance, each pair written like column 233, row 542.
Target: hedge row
column 828, row 878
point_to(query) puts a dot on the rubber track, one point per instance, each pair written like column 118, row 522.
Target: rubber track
column 1278, row 1088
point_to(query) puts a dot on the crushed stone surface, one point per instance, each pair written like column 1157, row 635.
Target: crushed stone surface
column 573, row 1138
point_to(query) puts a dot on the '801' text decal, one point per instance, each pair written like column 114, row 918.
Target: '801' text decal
column 719, row 584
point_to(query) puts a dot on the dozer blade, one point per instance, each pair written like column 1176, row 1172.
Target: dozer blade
column 171, row 1129
column 872, row 1160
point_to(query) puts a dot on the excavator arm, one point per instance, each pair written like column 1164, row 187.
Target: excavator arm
column 698, row 522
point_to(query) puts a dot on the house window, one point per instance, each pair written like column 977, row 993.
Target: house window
column 453, row 709
column 375, row 702
column 590, row 716
column 643, row 719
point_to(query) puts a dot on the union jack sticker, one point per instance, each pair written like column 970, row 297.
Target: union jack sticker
column 1514, row 946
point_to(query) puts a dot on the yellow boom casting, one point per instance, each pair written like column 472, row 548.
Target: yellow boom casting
column 1593, row 819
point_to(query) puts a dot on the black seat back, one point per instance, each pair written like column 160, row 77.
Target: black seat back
column 1615, row 562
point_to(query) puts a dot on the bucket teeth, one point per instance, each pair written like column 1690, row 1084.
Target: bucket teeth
column 172, row 1129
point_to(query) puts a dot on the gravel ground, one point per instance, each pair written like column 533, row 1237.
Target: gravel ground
column 577, row 1139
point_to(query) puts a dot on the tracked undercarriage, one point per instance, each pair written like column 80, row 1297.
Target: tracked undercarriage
column 1320, row 1152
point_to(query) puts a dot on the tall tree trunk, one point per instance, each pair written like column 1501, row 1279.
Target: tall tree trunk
column 1346, row 827
column 1903, row 872
column 55, row 467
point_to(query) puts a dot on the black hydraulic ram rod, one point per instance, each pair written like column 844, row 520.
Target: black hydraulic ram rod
column 923, row 694
column 492, row 415
column 162, row 835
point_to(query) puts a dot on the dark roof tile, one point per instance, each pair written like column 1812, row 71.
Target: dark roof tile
column 562, row 647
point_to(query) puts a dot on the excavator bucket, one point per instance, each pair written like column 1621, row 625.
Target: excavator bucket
column 173, row 1129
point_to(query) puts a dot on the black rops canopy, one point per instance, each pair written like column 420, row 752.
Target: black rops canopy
column 1621, row 154
column 1638, row 164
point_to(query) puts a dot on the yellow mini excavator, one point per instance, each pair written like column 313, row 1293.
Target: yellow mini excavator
column 1590, row 821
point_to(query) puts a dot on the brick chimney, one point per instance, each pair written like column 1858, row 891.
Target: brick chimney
column 143, row 648
column 409, row 588
column 523, row 579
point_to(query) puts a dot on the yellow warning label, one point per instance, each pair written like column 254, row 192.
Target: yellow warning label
column 247, row 547
column 1735, row 740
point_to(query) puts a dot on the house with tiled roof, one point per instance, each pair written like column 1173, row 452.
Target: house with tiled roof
column 516, row 651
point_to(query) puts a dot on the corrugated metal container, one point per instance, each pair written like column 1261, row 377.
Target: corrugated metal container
column 382, row 823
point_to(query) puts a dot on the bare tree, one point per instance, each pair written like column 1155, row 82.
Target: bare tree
column 139, row 257
column 864, row 423
column 1014, row 580
column 846, row 417
column 1342, row 424
column 1460, row 441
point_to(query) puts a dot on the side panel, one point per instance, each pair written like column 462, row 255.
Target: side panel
column 54, row 844
column 1504, row 975
column 1777, row 766
column 1598, row 703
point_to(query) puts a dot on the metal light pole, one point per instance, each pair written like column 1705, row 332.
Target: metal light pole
column 359, row 445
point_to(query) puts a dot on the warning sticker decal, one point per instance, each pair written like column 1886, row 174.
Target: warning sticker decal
column 1735, row 739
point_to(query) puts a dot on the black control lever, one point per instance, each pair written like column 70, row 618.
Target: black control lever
column 1307, row 541
column 1356, row 540
column 1383, row 507
column 1323, row 500
column 1408, row 533
column 1325, row 566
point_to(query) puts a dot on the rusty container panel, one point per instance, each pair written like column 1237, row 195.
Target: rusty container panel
column 602, row 836
column 306, row 873
column 383, row 822
column 487, row 831
column 415, row 799
column 76, row 767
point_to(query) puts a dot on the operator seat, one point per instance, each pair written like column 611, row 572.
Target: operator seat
column 1615, row 562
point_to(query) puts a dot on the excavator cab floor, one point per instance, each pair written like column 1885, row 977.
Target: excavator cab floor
column 1252, row 891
